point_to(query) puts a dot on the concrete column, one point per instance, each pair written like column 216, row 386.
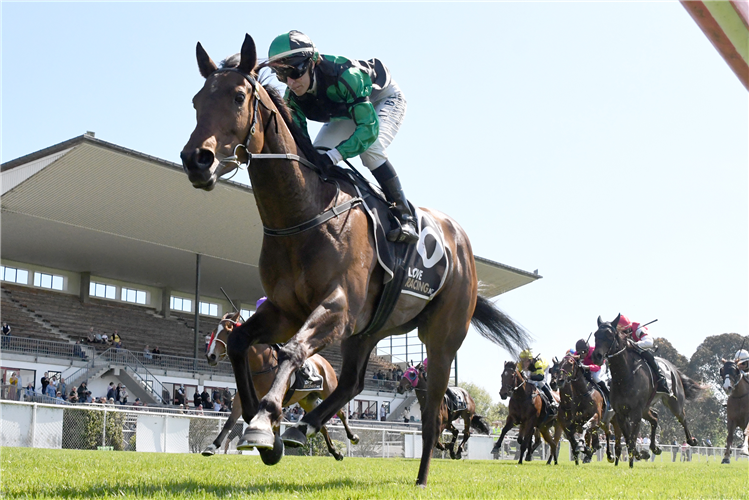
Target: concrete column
column 85, row 286
column 166, row 294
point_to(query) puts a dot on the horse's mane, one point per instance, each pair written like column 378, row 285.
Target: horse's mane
column 301, row 138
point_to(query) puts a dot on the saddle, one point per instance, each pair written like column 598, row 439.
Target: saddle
column 455, row 400
column 419, row 270
column 305, row 379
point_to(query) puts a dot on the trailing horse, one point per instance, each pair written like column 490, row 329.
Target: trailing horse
column 263, row 362
column 318, row 263
column 526, row 409
column 582, row 409
column 736, row 386
column 633, row 390
column 415, row 379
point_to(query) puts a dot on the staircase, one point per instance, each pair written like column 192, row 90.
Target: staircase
column 395, row 415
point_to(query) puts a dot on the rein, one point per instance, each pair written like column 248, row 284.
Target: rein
column 321, row 218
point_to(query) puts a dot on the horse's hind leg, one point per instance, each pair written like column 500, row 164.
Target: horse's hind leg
column 466, row 434
column 353, row 438
column 677, row 408
column 451, row 446
column 652, row 418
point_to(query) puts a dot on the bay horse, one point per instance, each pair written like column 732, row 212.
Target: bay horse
column 633, row 389
column 582, row 409
column 736, row 386
column 415, row 379
column 318, row 264
column 526, row 410
column 263, row 362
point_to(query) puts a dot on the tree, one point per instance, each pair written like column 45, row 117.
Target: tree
column 669, row 352
column 485, row 407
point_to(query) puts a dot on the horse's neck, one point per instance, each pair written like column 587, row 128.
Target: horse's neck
column 622, row 366
column 287, row 192
column 580, row 384
column 259, row 357
column 742, row 387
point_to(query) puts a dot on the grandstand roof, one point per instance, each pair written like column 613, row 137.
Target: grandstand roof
column 86, row 205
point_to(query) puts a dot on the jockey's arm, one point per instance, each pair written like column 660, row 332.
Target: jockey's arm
column 646, row 341
column 354, row 88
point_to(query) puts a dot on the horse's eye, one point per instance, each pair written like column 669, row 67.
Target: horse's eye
column 240, row 97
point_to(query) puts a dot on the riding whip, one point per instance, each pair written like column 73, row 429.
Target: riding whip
column 230, row 302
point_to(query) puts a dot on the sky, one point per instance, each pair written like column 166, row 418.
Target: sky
column 603, row 144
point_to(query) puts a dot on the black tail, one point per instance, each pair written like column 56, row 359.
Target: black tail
column 479, row 423
column 692, row 389
column 496, row 326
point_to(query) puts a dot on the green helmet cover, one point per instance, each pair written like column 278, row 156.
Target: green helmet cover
column 291, row 48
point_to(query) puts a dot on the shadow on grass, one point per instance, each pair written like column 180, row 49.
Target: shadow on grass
column 190, row 488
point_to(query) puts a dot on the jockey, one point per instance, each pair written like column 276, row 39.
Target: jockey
column 642, row 344
column 742, row 360
column 535, row 369
column 593, row 370
column 361, row 106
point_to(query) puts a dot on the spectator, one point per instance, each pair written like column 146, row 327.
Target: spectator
column 78, row 351
column 13, row 381
column 137, row 402
column 86, row 397
column 6, row 329
column 216, row 395
column 29, row 391
column 58, row 398
column 685, row 452
column 156, row 353
column 116, row 339
column 63, row 388
column 118, row 392
column 45, row 382
column 180, row 395
column 196, row 399
column 199, row 410
column 147, row 353
column 73, row 397
column 104, row 338
column 383, row 413
column 51, row 390
column 205, row 398
column 82, row 391
column 111, row 392
column 216, row 405
column 98, row 338
column 91, row 337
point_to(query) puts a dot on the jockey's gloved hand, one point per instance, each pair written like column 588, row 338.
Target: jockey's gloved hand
column 585, row 367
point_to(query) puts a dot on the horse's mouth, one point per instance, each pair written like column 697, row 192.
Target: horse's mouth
column 198, row 182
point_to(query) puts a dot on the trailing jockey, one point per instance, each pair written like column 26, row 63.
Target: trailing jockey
column 359, row 103
column 592, row 371
column 535, row 369
column 742, row 360
column 642, row 344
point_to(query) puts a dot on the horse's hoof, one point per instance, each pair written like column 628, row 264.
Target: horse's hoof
column 274, row 455
column 631, row 463
column 586, row 460
column 355, row 439
column 293, row 437
column 338, row 457
column 657, row 451
column 726, row 460
column 256, row 438
column 209, row 451
column 693, row 442
column 610, row 459
column 644, row 455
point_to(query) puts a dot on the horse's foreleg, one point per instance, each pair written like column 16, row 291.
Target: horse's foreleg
column 237, row 348
column 509, row 424
column 729, row 442
column 466, row 434
column 236, row 411
column 439, row 374
column 550, row 440
column 354, row 438
column 451, row 446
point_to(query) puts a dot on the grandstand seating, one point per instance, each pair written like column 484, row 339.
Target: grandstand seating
column 137, row 325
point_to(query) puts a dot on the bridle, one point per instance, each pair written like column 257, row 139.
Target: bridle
column 614, row 343
column 567, row 377
column 321, row 218
column 729, row 378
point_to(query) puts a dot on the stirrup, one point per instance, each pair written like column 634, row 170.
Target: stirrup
column 405, row 232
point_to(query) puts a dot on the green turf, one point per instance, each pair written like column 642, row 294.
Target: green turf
column 42, row 473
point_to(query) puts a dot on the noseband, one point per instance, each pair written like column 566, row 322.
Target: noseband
column 614, row 343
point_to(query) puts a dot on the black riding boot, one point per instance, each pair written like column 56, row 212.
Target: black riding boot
column 391, row 186
column 552, row 402
column 605, row 391
column 660, row 384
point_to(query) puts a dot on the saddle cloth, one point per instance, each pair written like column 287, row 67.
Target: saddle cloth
column 426, row 262
column 455, row 400
column 306, row 378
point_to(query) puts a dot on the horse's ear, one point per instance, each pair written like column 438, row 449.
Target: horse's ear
column 616, row 320
column 723, row 360
column 599, row 321
column 249, row 55
column 205, row 63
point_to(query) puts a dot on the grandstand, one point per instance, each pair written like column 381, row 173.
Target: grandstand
column 96, row 235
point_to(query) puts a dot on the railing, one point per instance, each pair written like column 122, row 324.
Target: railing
column 182, row 364
column 132, row 364
column 43, row 348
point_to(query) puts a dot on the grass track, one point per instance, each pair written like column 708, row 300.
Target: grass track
column 39, row 473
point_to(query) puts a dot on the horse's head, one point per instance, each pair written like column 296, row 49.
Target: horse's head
column 730, row 375
column 227, row 114
column 554, row 373
column 216, row 350
column 411, row 378
column 568, row 369
column 511, row 379
column 608, row 340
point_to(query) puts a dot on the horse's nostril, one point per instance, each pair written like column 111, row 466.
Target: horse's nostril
column 204, row 159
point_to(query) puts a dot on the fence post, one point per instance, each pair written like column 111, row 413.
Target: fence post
column 33, row 425
column 104, row 429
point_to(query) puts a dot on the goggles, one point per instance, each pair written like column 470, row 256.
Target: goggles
column 284, row 71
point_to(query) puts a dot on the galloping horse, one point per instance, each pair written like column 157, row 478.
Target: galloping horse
column 263, row 362
column 318, row 264
column 415, row 379
column 526, row 410
column 736, row 385
column 633, row 390
column 581, row 409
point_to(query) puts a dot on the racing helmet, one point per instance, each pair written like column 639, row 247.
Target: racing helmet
column 742, row 356
column 291, row 49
